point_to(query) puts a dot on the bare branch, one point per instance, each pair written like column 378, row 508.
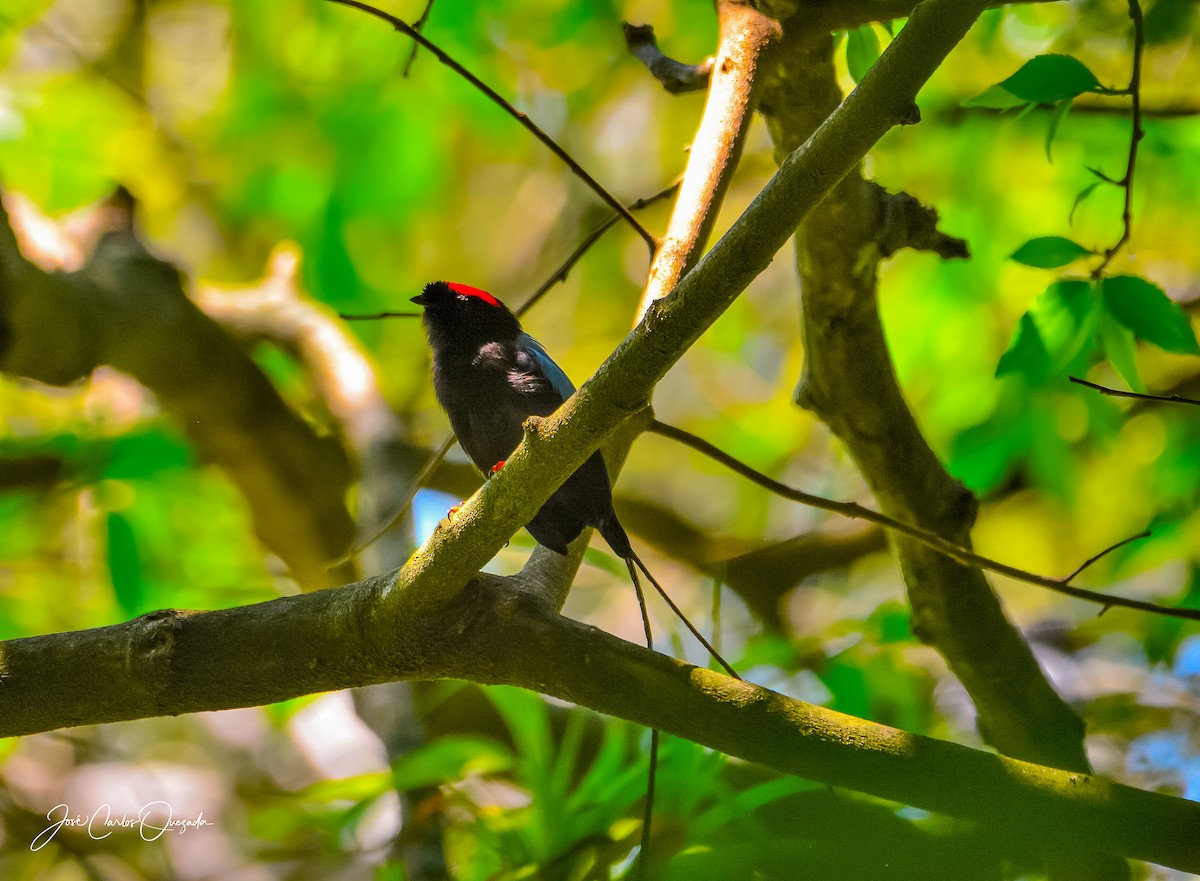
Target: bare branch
column 507, row 107
column 1119, row 393
column 675, row 76
column 1135, row 138
column 420, row 23
column 127, row 309
column 560, row 274
column 849, row 382
column 906, row 223
column 927, row 537
column 177, row 662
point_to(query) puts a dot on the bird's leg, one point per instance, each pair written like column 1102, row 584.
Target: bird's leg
column 495, row 470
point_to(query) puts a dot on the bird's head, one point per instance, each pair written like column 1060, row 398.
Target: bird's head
column 459, row 312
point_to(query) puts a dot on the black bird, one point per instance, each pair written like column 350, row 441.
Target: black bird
column 490, row 376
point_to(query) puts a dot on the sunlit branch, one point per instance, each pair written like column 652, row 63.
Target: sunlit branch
column 1119, row 393
column 532, row 127
column 924, row 536
column 745, row 38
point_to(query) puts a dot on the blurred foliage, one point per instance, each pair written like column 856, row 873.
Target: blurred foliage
column 239, row 125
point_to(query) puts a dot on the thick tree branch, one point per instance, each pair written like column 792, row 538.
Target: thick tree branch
column 127, row 309
column 838, row 15
column 849, row 382
column 343, row 377
column 176, row 662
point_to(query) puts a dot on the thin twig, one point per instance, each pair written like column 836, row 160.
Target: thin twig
column 1104, row 553
column 418, row 482
column 420, row 23
column 560, row 274
column 375, row 316
column 927, row 537
column 1135, row 94
column 1120, row 393
column 554, row 147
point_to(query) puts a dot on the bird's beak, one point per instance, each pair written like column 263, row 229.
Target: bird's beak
column 419, row 299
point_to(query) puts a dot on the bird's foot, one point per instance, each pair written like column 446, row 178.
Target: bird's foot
column 450, row 515
column 496, row 468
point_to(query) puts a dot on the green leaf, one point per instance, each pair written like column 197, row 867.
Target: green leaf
column 1169, row 20
column 1065, row 314
column 862, row 51
column 1083, row 194
column 1049, row 252
column 1118, row 343
column 1052, row 332
column 124, row 564
column 450, row 758
column 743, row 803
column 1050, row 78
column 995, row 98
column 1060, row 113
column 1144, row 308
column 1026, row 354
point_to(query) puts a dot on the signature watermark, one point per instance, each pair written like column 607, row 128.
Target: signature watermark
column 154, row 820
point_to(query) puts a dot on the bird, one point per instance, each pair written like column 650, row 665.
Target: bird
column 489, row 376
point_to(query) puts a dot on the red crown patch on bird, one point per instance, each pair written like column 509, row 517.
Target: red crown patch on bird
column 468, row 291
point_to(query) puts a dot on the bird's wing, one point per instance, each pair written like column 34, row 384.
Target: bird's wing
column 537, row 376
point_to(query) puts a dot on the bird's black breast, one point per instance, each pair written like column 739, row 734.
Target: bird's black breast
column 488, row 393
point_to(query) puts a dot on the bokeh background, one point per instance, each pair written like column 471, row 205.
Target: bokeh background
column 243, row 128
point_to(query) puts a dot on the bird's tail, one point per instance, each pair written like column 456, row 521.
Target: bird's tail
column 633, row 562
column 630, row 562
column 652, row 773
